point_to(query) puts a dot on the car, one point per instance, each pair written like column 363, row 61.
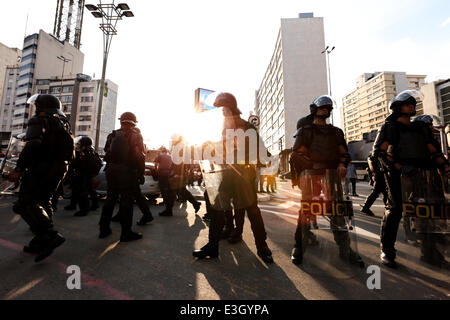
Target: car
column 150, row 188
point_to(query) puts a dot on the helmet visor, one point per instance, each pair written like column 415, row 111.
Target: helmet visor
column 324, row 101
column 32, row 99
column 408, row 95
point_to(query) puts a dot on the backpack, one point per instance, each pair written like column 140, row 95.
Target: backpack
column 96, row 163
column 58, row 138
column 120, row 151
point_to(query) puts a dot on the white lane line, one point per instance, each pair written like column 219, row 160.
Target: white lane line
column 281, row 214
column 359, row 231
column 285, row 205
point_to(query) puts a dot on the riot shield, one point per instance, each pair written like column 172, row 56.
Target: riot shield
column 425, row 200
column 328, row 233
column 229, row 186
column 15, row 147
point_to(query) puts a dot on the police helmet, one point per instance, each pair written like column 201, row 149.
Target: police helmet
column 406, row 97
column 85, row 141
column 224, row 100
column 322, row 102
column 46, row 103
column 128, row 117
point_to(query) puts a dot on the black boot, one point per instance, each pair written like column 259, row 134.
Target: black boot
column 146, row 218
column 35, row 246
column 207, row 251
column 347, row 254
column 265, row 254
column 166, row 214
column 130, row 236
column 52, row 241
column 81, row 214
column 197, row 205
column 235, row 238
column 297, row 256
column 105, row 232
column 367, row 211
column 226, row 233
column 388, row 259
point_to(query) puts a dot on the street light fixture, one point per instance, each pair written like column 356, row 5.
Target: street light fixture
column 123, row 6
column 110, row 15
column 328, row 51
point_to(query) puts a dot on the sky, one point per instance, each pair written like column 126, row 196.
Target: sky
column 172, row 47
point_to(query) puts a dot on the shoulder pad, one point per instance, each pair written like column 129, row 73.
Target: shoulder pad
column 303, row 129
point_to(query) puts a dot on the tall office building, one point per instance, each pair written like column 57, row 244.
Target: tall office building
column 9, row 57
column 366, row 108
column 296, row 75
column 9, row 70
column 437, row 100
column 7, row 104
column 80, row 97
column 44, row 57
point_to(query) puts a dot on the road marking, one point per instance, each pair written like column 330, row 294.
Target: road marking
column 322, row 223
column 88, row 280
column 281, row 214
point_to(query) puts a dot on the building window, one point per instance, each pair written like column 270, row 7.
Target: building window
column 87, row 99
column 87, row 89
column 85, row 118
column 85, row 109
column 68, row 89
column 55, row 90
column 66, row 99
column 84, row 128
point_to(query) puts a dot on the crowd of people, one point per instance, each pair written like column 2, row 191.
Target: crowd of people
column 401, row 149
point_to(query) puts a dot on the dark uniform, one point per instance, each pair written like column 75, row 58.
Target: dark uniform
column 85, row 166
column 139, row 198
column 247, row 173
column 126, row 166
column 401, row 149
column 43, row 164
column 319, row 148
column 378, row 187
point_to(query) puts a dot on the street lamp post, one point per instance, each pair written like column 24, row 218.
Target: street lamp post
column 110, row 15
column 328, row 51
column 64, row 60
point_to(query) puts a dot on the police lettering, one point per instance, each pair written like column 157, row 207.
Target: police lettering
column 327, row 208
column 426, row 211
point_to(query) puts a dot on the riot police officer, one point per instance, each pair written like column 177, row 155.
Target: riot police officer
column 126, row 165
column 319, row 147
column 247, row 176
column 401, row 148
column 378, row 186
column 42, row 165
column 85, row 166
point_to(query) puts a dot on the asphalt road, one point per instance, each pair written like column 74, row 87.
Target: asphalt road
column 161, row 266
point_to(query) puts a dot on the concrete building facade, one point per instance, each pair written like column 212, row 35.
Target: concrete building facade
column 7, row 104
column 40, row 61
column 437, row 100
column 296, row 75
column 366, row 108
column 79, row 97
column 8, row 57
